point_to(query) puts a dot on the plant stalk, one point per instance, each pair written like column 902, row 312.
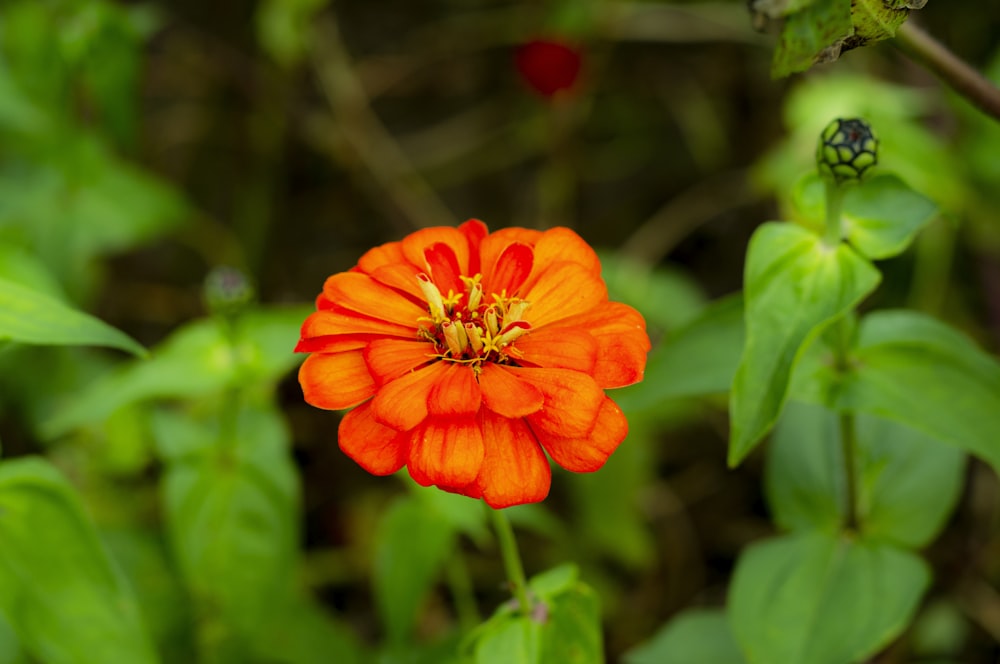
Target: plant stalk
column 834, row 220
column 511, row 559
column 848, row 428
column 849, row 447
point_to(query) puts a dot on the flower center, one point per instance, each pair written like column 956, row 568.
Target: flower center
column 470, row 327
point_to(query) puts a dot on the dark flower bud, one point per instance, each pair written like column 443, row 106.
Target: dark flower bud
column 549, row 66
column 227, row 291
column 847, row 149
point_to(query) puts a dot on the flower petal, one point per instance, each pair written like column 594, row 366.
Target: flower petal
column 447, row 452
column 494, row 245
column 560, row 244
column 571, row 401
column 375, row 447
column 390, row 253
column 475, row 232
column 558, row 348
column 565, row 289
column 402, row 403
column 512, row 267
column 362, row 294
column 443, row 266
column 514, row 469
column 400, row 276
column 455, row 393
column 622, row 342
column 415, row 244
column 337, row 344
column 587, row 454
column 506, row 394
column 335, row 380
column 388, row 359
column 327, row 322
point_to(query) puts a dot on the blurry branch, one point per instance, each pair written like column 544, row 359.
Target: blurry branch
column 704, row 22
column 678, row 217
column 912, row 40
column 357, row 127
column 981, row 603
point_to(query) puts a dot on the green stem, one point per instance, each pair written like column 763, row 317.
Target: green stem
column 849, row 447
column 230, row 408
column 834, row 220
column 511, row 559
column 848, row 426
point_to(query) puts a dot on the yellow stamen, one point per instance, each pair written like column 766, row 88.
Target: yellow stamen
column 474, row 336
column 433, row 296
column 511, row 332
column 454, row 336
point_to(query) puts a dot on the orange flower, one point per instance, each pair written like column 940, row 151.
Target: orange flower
column 467, row 353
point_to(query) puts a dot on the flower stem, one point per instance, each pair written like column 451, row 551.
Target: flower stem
column 849, row 447
column 511, row 558
column 848, row 425
column 834, row 221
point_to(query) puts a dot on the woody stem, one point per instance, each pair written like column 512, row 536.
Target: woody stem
column 511, row 558
column 944, row 64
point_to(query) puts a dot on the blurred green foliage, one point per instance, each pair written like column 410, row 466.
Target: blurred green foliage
column 186, row 506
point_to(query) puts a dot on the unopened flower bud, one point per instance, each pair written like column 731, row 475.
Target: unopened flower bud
column 227, row 291
column 846, row 150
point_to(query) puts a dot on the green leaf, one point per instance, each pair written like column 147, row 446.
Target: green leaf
column 908, row 483
column 564, row 627
column 876, row 20
column 142, row 554
column 61, row 593
column 910, row 368
column 412, row 545
column 515, row 640
column 231, row 515
column 794, row 286
column 808, row 33
column 572, row 631
column 195, row 361
column 697, row 636
column 10, row 647
column 21, row 267
column 30, row 317
column 818, row 598
column 555, row 581
column 697, row 360
column 881, row 214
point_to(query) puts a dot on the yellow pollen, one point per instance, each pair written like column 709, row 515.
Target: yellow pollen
column 471, row 329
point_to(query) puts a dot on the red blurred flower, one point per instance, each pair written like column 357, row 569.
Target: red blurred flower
column 548, row 65
column 468, row 353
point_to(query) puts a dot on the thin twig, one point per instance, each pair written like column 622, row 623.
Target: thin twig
column 979, row 90
column 368, row 138
column 681, row 215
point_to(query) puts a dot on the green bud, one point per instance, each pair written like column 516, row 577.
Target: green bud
column 227, row 291
column 846, row 150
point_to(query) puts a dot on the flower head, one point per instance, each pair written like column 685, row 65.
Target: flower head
column 468, row 355
column 548, row 65
column 846, row 150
